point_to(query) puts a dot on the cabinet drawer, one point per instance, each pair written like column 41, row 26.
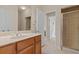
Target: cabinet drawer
column 8, row 49
column 38, row 38
column 28, row 50
column 25, row 43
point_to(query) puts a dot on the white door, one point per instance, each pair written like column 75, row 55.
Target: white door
column 51, row 25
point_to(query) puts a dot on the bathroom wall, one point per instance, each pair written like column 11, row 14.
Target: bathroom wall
column 59, row 21
column 40, row 24
column 8, row 18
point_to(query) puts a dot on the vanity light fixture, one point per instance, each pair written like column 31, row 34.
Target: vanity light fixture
column 23, row 7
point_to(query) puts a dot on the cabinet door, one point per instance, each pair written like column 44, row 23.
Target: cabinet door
column 24, row 44
column 28, row 50
column 8, row 49
column 38, row 47
column 38, row 44
column 37, row 38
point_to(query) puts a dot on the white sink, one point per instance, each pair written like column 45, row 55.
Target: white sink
column 16, row 36
column 22, row 35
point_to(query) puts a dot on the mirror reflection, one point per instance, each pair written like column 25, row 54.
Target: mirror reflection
column 24, row 18
column 16, row 18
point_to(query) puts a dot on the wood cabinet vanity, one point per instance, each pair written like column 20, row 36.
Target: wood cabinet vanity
column 30, row 45
column 26, row 46
column 8, row 49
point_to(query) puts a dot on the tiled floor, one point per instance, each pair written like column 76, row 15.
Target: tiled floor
column 50, row 48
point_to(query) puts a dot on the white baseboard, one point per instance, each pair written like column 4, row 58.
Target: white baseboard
column 70, row 50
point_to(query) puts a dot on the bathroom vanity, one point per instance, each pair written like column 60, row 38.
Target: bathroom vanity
column 27, row 44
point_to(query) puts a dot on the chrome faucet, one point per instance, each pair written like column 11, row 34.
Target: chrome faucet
column 18, row 34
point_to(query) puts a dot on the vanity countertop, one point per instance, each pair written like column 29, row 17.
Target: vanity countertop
column 5, row 41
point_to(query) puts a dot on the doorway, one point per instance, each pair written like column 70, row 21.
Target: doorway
column 51, row 33
column 28, row 23
column 51, row 25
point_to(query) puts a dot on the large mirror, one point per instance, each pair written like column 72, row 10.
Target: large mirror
column 24, row 18
column 16, row 18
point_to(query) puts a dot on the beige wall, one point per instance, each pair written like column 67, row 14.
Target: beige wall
column 10, row 16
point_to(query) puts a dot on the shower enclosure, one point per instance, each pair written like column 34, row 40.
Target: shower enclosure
column 71, row 27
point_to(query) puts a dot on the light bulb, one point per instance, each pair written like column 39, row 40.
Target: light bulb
column 23, row 7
